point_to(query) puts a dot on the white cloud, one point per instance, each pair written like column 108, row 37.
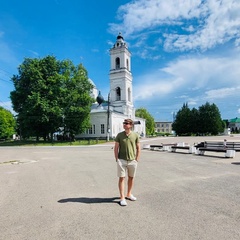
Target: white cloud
column 208, row 23
column 192, row 103
column 216, row 77
column 8, row 106
column 151, row 87
column 34, row 53
column 222, row 93
column 221, row 25
column 139, row 15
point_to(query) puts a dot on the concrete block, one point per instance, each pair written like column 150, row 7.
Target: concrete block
column 230, row 153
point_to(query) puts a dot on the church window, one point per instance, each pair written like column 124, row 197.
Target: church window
column 118, row 94
column 127, row 65
column 117, row 63
column 94, row 129
column 90, row 130
column 129, row 95
column 102, row 129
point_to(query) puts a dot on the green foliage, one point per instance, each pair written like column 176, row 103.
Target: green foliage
column 210, row 119
column 7, row 124
column 150, row 123
column 204, row 121
column 30, row 142
column 182, row 123
column 162, row 134
column 51, row 94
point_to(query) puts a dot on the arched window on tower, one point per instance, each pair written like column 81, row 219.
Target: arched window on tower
column 129, row 95
column 118, row 93
column 117, row 61
column 127, row 65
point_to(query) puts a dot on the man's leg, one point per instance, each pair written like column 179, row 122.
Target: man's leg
column 132, row 168
column 121, row 187
column 130, row 186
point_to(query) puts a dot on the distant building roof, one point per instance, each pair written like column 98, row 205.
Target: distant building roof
column 235, row 120
column 163, row 121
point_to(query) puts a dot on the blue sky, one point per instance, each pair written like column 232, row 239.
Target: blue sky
column 182, row 50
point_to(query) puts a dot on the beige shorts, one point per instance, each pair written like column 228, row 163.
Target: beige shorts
column 124, row 166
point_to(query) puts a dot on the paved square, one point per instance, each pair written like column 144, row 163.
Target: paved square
column 71, row 193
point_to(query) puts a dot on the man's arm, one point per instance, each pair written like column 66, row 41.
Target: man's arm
column 116, row 149
column 138, row 151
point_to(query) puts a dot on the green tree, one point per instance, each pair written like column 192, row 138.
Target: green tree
column 205, row 120
column 210, row 119
column 150, row 123
column 182, row 123
column 50, row 94
column 194, row 121
column 7, row 124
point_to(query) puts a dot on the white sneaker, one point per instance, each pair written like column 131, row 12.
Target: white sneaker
column 123, row 202
column 132, row 198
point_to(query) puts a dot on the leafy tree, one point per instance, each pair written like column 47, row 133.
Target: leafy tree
column 226, row 123
column 150, row 123
column 50, row 94
column 205, row 120
column 7, row 124
column 182, row 123
column 195, row 122
column 210, row 119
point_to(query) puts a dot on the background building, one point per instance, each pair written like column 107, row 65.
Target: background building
column 163, row 127
column 234, row 124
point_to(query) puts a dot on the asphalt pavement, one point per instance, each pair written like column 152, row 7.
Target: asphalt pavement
column 61, row 193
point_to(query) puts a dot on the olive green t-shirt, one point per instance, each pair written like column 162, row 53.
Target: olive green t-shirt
column 127, row 145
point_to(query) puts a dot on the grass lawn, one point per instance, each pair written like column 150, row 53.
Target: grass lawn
column 55, row 143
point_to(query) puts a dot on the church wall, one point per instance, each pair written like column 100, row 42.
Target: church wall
column 122, row 80
column 117, row 125
column 116, row 120
column 124, row 57
column 98, row 127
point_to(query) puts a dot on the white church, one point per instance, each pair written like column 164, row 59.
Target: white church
column 107, row 116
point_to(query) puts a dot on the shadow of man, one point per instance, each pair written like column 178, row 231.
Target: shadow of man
column 89, row 200
column 236, row 163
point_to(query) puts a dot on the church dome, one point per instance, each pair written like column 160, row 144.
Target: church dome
column 120, row 42
column 94, row 91
column 120, row 37
column 91, row 81
column 100, row 98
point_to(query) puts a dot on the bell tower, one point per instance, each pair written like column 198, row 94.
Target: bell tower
column 121, row 78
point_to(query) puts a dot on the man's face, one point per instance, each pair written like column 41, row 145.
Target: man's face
column 127, row 125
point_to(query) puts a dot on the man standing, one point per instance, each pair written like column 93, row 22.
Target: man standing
column 127, row 152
